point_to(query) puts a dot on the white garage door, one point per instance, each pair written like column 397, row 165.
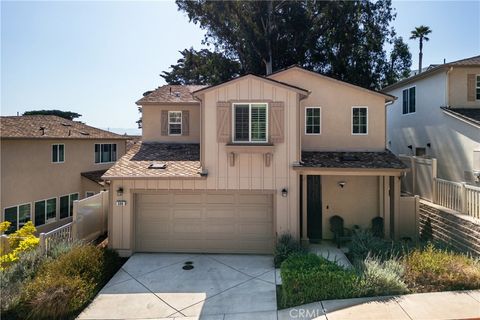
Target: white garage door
column 204, row 222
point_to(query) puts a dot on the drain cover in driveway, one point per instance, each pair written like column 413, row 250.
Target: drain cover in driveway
column 187, row 267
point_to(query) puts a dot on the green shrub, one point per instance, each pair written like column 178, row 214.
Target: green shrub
column 432, row 269
column 56, row 297
column 365, row 244
column 307, row 278
column 379, row 278
column 285, row 247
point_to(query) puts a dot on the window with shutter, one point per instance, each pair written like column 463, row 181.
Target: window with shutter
column 250, row 122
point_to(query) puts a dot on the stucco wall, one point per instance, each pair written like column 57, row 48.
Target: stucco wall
column 458, row 87
column 336, row 101
column 357, row 202
column 452, row 141
column 151, row 123
column 28, row 174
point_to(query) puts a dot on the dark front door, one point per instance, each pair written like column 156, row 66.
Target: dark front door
column 314, row 208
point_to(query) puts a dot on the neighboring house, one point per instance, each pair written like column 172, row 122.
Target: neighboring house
column 228, row 168
column 47, row 162
column 437, row 115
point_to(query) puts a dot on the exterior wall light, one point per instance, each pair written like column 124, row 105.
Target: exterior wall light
column 284, row 192
column 342, row 184
column 120, row 191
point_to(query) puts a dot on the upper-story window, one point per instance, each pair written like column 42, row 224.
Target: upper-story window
column 408, row 100
column 250, row 122
column 359, row 120
column 478, row 87
column 174, row 123
column 312, row 120
column 105, row 152
column 58, row 153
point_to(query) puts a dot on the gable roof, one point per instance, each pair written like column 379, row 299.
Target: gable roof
column 262, row 78
column 300, row 68
column 50, row 127
column 169, row 94
column 467, row 62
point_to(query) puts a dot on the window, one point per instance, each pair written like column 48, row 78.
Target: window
column 58, row 153
column 73, row 197
column 64, row 206
column 89, row 194
column 51, row 209
column 40, row 212
column 312, row 120
column 17, row 216
column 250, row 122
column 409, row 100
column 45, row 211
column 175, row 123
column 105, row 152
column 359, row 120
column 478, row 87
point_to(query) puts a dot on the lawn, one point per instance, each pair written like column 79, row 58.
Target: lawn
column 381, row 268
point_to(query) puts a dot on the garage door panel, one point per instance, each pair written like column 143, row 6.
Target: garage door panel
column 204, row 222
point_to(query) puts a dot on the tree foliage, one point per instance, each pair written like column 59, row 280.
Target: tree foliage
column 201, row 67
column 399, row 63
column 342, row 39
column 63, row 114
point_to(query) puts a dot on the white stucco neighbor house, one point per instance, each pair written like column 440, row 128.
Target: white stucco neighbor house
column 437, row 114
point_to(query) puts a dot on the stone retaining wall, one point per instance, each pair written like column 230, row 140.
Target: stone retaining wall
column 450, row 228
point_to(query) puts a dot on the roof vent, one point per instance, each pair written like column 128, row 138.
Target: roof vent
column 66, row 124
column 177, row 94
column 43, row 130
column 84, row 133
column 349, row 157
column 157, row 165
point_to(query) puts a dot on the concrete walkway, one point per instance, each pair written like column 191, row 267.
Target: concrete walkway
column 420, row 306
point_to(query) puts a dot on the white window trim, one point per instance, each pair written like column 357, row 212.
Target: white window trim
column 181, row 123
column 87, row 192
column 58, row 144
column 313, row 134
column 351, row 119
column 409, row 113
column 249, row 122
column 476, row 86
column 100, row 163
column 47, row 221
column 18, row 212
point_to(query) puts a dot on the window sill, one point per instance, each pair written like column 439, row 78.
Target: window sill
column 250, row 147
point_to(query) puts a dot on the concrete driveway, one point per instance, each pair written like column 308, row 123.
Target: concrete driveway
column 155, row 286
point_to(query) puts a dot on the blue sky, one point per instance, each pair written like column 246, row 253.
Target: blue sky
column 97, row 58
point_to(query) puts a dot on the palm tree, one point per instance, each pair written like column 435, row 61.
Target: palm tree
column 420, row 33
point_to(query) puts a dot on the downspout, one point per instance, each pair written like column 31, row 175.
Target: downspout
column 447, row 87
column 386, row 129
column 201, row 131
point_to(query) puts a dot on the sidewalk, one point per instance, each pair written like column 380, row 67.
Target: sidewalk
column 420, row 306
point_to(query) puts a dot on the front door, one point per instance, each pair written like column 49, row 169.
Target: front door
column 314, row 208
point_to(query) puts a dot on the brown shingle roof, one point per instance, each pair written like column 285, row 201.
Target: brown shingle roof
column 182, row 161
column 50, row 127
column 171, row 94
column 353, row 160
column 95, row 176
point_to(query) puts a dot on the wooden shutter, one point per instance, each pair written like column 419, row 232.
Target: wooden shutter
column 276, row 122
column 164, row 123
column 224, row 122
column 471, row 87
column 185, row 123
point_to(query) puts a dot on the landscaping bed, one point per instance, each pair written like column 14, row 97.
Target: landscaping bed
column 56, row 285
column 380, row 268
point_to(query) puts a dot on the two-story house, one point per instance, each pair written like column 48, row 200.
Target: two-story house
column 438, row 115
column 48, row 162
column 229, row 167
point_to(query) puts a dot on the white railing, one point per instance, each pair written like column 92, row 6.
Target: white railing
column 448, row 194
column 60, row 234
column 458, row 196
column 472, row 201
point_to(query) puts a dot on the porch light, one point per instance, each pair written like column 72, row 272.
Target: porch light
column 120, row 191
column 284, row 192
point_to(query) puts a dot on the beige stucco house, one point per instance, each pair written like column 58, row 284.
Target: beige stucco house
column 48, row 162
column 228, row 168
column 438, row 115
